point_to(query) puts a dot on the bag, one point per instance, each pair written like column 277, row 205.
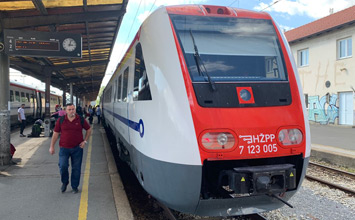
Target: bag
column 12, row 150
column 36, row 130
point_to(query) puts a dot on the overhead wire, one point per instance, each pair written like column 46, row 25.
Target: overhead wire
column 152, row 6
column 277, row 1
column 233, row 3
column 133, row 21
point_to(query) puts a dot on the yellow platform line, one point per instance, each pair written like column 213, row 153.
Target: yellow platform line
column 83, row 209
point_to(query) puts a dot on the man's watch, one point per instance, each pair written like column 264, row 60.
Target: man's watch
column 85, row 142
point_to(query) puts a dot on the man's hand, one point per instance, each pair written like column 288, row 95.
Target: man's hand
column 51, row 150
column 82, row 144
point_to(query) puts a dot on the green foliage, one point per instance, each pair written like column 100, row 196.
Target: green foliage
column 99, row 96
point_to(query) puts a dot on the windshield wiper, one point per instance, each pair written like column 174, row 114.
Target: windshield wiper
column 199, row 64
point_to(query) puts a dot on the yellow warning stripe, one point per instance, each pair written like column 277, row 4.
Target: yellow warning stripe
column 83, row 209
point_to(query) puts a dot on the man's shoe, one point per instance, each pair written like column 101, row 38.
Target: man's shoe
column 64, row 188
column 75, row 190
column 21, row 135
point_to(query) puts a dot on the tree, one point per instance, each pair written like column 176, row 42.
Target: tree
column 99, row 96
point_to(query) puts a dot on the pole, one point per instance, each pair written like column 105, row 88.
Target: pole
column 64, row 96
column 71, row 93
column 5, row 156
column 47, row 120
column 48, row 93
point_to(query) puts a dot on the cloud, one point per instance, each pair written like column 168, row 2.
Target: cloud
column 143, row 16
column 314, row 9
column 285, row 28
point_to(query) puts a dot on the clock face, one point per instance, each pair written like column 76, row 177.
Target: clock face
column 69, row 44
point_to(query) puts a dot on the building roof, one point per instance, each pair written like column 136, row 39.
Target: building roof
column 336, row 20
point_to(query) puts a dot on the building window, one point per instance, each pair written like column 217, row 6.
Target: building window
column 345, row 48
column 303, row 57
column 306, row 99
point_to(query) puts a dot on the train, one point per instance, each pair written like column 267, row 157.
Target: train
column 34, row 100
column 208, row 111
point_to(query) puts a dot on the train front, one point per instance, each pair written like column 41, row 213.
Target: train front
column 247, row 108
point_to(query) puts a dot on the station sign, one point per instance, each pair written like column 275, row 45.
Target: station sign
column 42, row 44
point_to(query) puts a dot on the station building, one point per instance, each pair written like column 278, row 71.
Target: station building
column 323, row 51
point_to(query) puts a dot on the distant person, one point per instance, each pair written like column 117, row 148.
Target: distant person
column 98, row 114
column 61, row 112
column 79, row 110
column 85, row 111
column 22, row 119
column 71, row 145
column 91, row 114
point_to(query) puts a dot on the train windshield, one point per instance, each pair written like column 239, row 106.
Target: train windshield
column 230, row 49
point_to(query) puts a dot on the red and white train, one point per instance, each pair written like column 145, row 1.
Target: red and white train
column 208, row 111
column 34, row 100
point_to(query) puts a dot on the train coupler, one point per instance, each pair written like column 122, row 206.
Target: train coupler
column 256, row 180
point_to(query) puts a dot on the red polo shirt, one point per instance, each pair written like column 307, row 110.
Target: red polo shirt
column 71, row 131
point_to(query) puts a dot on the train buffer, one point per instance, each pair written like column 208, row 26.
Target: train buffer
column 30, row 189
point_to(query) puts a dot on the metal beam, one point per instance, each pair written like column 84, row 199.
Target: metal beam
column 40, row 7
column 78, row 65
column 22, row 22
column 86, row 79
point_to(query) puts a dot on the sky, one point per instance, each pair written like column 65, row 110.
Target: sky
column 288, row 14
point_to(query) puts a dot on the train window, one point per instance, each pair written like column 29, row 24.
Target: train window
column 12, row 98
column 108, row 95
column 32, row 98
column 17, row 96
column 23, row 97
column 141, row 89
column 27, row 97
column 119, row 88
column 125, row 85
column 230, row 49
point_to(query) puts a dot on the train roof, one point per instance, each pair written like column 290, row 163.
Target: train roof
column 215, row 11
column 26, row 86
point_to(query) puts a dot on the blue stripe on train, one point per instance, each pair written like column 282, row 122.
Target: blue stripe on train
column 139, row 127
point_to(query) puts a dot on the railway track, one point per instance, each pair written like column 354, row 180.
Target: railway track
column 328, row 183
column 171, row 215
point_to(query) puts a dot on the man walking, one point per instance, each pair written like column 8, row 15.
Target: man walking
column 98, row 114
column 22, row 119
column 71, row 145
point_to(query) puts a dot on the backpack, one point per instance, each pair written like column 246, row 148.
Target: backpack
column 61, row 119
column 36, row 130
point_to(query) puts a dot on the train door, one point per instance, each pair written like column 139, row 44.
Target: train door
column 114, row 101
column 39, row 102
column 346, row 108
column 34, row 103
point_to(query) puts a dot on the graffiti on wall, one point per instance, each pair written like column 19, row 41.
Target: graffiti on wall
column 322, row 111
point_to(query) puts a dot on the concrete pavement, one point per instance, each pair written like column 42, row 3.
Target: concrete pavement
column 333, row 144
column 31, row 188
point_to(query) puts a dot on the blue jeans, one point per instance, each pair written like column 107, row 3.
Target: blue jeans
column 76, row 156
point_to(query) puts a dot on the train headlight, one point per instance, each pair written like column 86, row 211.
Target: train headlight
column 217, row 140
column 290, row 136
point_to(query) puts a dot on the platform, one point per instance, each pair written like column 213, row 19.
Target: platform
column 333, row 144
column 30, row 189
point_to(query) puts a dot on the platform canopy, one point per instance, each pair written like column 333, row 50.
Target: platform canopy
column 98, row 22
